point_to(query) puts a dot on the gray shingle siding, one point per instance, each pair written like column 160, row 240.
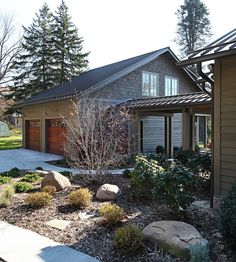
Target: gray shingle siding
column 130, row 87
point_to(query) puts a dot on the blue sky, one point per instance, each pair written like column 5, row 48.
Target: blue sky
column 118, row 29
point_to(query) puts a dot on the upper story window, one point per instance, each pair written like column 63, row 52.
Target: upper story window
column 150, row 84
column 171, row 86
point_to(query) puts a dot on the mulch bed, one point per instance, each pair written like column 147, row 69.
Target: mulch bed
column 88, row 234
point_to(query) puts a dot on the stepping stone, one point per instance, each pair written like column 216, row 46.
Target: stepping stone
column 58, row 223
column 201, row 203
column 22, row 245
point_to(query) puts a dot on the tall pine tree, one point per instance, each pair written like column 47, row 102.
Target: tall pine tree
column 34, row 66
column 69, row 58
column 193, row 28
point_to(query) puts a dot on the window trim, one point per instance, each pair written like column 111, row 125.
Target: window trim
column 171, row 77
column 158, row 83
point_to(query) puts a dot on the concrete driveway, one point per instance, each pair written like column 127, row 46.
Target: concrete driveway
column 26, row 159
column 30, row 159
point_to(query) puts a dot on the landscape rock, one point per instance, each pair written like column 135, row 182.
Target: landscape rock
column 41, row 172
column 108, row 192
column 58, row 223
column 173, row 237
column 56, row 179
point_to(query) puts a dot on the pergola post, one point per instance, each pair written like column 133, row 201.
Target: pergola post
column 168, row 136
column 188, row 134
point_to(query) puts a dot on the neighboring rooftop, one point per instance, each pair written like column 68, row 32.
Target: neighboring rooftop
column 97, row 78
column 223, row 46
column 165, row 102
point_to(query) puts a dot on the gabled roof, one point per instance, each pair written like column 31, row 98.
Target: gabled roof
column 197, row 98
column 97, row 78
column 223, row 46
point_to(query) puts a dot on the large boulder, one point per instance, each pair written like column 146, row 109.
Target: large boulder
column 56, row 179
column 173, row 237
column 108, row 192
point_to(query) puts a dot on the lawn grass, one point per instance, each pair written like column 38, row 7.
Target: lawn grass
column 11, row 142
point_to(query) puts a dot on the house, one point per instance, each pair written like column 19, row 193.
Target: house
column 222, row 56
column 13, row 119
column 150, row 75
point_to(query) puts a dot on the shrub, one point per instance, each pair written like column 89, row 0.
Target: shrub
column 23, row 187
column 199, row 252
column 38, row 168
column 6, row 195
column 81, row 197
column 67, row 174
column 177, row 188
column 111, row 213
column 49, row 189
column 14, row 172
column 128, row 238
column 8, row 192
column 5, row 180
column 39, row 199
column 227, row 216
column 159, row 149
column 144, row 176
column 126, row 173
column 31, row 178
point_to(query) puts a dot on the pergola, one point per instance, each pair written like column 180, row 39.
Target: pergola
column 188, row 104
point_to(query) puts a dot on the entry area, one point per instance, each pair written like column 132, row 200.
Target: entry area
column 55, row 136
column 33, row 134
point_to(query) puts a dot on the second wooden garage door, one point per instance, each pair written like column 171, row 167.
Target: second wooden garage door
column 55, row 136
column 33, row 131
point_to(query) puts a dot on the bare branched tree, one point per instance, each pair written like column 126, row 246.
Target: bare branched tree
column 9, row 48
column 97, row 135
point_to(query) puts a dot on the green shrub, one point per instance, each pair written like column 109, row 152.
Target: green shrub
column 38, row 200
column 23, row 187
column 8, row 191
column 177, row 188
column 81, row 197
column 14, row 172
column 6, row 195
column 128, row 238
column 4, row 202
column 31, row 178
column 49, row 189
column 5, row 180
column 126, row 173
column 159, row 149
column 199, row 252
column 227, row 216
column 38, row 168
column 144, row 177
column 67, row 174
column 111, row 213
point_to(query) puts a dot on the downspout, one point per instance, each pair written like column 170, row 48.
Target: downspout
column 211, row 82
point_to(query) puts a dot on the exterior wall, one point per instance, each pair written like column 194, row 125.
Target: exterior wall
column 153, row 132
column 130, row 86
column 43, row 112
column 224, row 124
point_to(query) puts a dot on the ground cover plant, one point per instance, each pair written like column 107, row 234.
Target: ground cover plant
column 22, row 187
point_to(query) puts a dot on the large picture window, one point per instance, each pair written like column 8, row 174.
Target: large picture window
column 150, row 84
column 171, row 86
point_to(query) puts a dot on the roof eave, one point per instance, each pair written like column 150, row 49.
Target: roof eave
column 205, row 58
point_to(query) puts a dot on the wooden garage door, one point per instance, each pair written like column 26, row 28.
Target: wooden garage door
column 33, row 133
column 55, row 136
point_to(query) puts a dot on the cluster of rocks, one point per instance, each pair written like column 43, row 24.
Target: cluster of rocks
column 174, row 237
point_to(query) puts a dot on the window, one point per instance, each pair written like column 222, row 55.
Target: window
column 171, row 86
column 150, row 84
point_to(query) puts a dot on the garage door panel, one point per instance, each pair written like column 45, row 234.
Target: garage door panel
column 55, row 136
column 33, row 127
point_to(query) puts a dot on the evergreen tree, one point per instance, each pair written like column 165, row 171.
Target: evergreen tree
column 69, row 58
column 34, row 66
column 193, row 28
